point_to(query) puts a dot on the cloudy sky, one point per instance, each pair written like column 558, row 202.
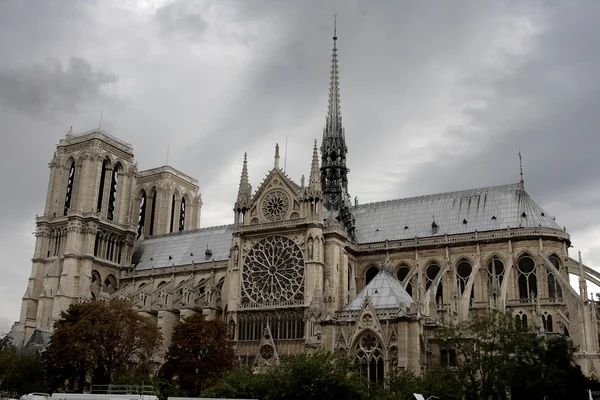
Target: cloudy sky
column 436, row 96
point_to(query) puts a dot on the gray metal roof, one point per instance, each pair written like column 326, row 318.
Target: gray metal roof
column 485, row 209
column 384, row 291
column 184, row 248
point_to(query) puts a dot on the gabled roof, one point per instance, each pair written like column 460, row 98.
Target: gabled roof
column 384, row 291
column 276, row 171
column 484, row 209
column 184, row 248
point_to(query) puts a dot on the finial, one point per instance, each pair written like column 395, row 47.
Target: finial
column 70, row 132
column 521, row 169
column 277, row 155
column 335, row 27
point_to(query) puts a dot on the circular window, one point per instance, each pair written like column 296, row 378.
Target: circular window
column 496, row 265
column 266, row 352
column 464, row 269
column 273, row 271
column 526, row 265
column 402, row 273
column 275, row 205
column 432, row 271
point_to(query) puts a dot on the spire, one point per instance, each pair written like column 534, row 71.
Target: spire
column 277, row 155
column 334, row 113
column 245, row 190
column 334, row 173
column 521, row 170
column 314, row 180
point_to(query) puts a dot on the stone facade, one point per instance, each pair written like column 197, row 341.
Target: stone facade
column 301, row 267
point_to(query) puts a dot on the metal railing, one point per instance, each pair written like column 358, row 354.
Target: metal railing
column 142, row 389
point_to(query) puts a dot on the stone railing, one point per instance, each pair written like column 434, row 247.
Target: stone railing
column 272, row 304
column 276, row 224
column 465, row 237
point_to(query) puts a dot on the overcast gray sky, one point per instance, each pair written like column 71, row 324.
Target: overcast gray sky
column 436, row 96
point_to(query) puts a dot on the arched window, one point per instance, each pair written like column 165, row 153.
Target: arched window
column 527, row 278
column 463, row 272
column 110, row 284
column 172, row 213
column 432, row 272
column 182, row 215
column 521, row 321
column 369, row 356
column 101, row 188
column 495, row 276
column 141, row 215
column 554, row 289
column 371, row 273
column 402, row 274
column 547, row 322
column 69, row 193
column 152, row 210
column 112, row 199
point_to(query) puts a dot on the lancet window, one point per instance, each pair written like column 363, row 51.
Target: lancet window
column 527, row 278
column 101, row 188
column 141, row 215
column 369, row 356
column 402, row 274
column 284, row 325
column 152, row 211
column 521, row 321
column 182, row 215
column 554, row 288
column 172, row 213
column 431, row 273
column 112, row 199
column 371, row 273
column 495, row 276
column 547, row 322
column 463, row 272
column 69, row 193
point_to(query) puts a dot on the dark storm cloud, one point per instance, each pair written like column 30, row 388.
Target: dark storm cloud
column 435, row 97
column 50, row 88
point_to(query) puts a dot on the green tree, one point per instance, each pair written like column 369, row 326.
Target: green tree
column 97, row 342
column 21, row 370
column 496, row 359
column 305, row 376
column 199, row 354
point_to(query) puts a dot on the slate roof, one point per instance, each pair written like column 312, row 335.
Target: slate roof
column 384, row 291
column 484, row 209
column 184, row 247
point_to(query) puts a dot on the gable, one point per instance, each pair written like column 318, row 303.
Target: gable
column 277, row 199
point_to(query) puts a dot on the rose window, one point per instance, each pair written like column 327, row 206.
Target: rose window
column 275, row 205
column 273, row 271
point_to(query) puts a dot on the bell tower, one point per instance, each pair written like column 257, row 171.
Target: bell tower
column 86, row 233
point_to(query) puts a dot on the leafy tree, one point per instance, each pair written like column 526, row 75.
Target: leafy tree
column 305, row 376
column 21, row 370
column 199, row 354
column 496, row 359
column 100, row 341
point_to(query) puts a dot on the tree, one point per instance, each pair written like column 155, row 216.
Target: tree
column 495, row 359
column 21, row 370
column 199, row 354
column 98, row 341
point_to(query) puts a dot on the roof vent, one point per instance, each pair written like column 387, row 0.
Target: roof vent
column 434, row 228
column 191, row 254
column 464, row 221
column 170, row 257
column 377, row 230
column 151, row 259
column 543, row 215
column 208, row 253
column 493, row 217
column 406, row 227
column 524, row 215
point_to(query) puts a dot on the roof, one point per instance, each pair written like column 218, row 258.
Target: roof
column 484, row 209
column 384, row 291
column 184, row 248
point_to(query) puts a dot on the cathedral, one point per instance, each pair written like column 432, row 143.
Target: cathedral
column 301, row 266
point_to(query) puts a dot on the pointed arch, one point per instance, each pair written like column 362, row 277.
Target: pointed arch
column 113, row 194
column 464, row 268
column 432, row 270
column 152, row 200
column 143, row 203
column 527, row 278
column 369, row 356
column 103, row 176
column 70, row 184
column 371, row 272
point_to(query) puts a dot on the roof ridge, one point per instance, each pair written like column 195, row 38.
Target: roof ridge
column 444, row 194
column 188, row 231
